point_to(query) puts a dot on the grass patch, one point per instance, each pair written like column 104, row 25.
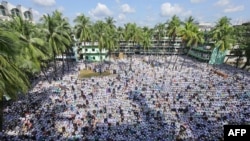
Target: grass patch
column 90, row 73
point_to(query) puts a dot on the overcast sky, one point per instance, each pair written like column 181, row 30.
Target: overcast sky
column 143, row 12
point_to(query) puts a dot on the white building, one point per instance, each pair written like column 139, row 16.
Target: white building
column 7, row 10
column 203, row 26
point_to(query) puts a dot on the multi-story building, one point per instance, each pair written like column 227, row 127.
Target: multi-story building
column 7, row 10
column 157, row 47
column 205, row 26
column 89, row 52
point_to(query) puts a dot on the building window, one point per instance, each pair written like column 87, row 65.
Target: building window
column 27, row 15
column 15, row 12
column 2, row 11
column 93, row 57
column 86, row 50
column 93, row 49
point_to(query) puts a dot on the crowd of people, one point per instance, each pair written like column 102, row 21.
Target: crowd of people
column 152, row 100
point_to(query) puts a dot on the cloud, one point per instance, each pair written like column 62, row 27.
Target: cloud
column 187, row 13
column 35, row 12
column 168, row 10
column 127, row 9
column 45, row 2
column 222, row 2
column 234, row 9
column 36, row 15
column 117, row 1
column 60, row 8
column 78, row 13
column 101, row 10
column 121, row 17
column 196, row 1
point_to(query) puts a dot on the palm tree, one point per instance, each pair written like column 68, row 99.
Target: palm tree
column 244, row 41
column 110, row 22
column 133, row 34
column 58, row 39
column 112, row 42
column 34, row 49
column 100, row 34
column 172, row 31
column 120, row 35
column 12, row 80
column 112, row 35
column 65, row 28
column 222, row 35
column 160, row 33
column 83, row 31
column 146, row 38
column 173, row 27
column 190, row 35
column 127, row 36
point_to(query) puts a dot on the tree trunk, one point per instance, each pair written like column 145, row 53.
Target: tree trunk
column 109, row 55
column 171, row 56
column 209, row 58
column 67, row 61
column 247, row 63
column 85, row 61
column 165, row 61
column 100, row 65
column 130, row 65
column 175, row 62
column 55, row 65
column 1, row 114
column 46, row 76
column 237, row 62
column 63, row 65
column 184, row 61
column 226, row 60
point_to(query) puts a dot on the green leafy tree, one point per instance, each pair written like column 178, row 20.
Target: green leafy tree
column 173, row 27
column 222, row 34
column 191, row 36
column 12, row 80
column 83, row 30
column 57, row 38
column 33, row 49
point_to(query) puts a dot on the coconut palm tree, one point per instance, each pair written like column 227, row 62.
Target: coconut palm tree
column 244, row 41
column 160, row 33
column 64, row 27
column 173, row 28
column 58, row 39
column 133, row 33
column 34, row 49
column 110, row 22
column 12, row 80
column 83, row 30
column 100, row 35
column 112, row 42
column 190, row 35
column 172, row 31
column 120, row 35
column 222, row 35
column 146, row 38
column 112, row 35
column 127, row 36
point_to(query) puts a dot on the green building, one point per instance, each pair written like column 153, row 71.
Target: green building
column 89, row 52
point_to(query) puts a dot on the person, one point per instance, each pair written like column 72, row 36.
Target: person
column 142, row 107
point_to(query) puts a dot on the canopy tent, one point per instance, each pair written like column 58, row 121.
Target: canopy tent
column 217, row 56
